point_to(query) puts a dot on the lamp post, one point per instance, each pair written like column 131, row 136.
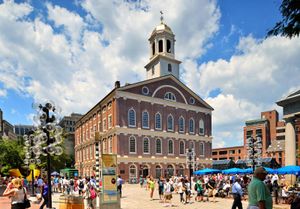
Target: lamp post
column 48, row 136
column 190, row 161
column 254, row 147
column 32, row 155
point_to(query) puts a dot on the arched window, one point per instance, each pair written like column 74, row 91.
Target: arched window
column 132, row 172
column 181, row 124
column 153, row 48
column 158, row 146
column 157, row 171
column 170, row 170
column 170, row 123
column 170, row 96
column 201, row 127
column 180, row 171
column 132, row 145
column 181, row 147
column 145, row 119
column 160, row 46
column 146, row 146
column 192, row 126
column 191, row 145
column 158, row 121
column 170, row 147
column 131, row 118
column 168, row 46
column 201, row 149
column 169, row 67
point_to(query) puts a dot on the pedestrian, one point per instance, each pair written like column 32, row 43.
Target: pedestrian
column 80, row 185
column 187, row 191
column 119, row 185
column 275, row 188
column 168, row 193
column 40, row 184
column 259, row 194
column 161, row 188
column 211, row 184
column 90, row 194
column 44, row 193
column 237, row 194
column 17, row 193
column 199, row 190
column 141, row 181
column 181, row 189
column 151, row 183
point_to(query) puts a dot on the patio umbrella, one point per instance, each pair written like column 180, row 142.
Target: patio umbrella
column 206, row 171
column 249, row 170
column 54, row 173
column 233, row 171
column 290, row 169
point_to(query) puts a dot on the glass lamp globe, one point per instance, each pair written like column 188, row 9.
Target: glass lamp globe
column 38, row 161
column 59, row 150
column 49, row 104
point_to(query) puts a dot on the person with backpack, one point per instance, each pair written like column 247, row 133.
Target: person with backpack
column 119, row 185
column 71, row 187
column 80, row 185
column 198, row 188
column 161, row 188
column 90, row 194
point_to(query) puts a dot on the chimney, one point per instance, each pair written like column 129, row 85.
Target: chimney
column 117, row 84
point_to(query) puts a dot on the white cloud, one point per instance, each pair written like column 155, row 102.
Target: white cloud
column 3, row 92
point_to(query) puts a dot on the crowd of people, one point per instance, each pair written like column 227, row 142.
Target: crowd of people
column 202, row 188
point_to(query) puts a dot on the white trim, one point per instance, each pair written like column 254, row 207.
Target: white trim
column 172, row 147
column 183, row 124
column 143, row 119
column 156, row 139
column 147, row 153
column 134, row 145
column 201, row 122
column 160, row 121
column 109, row 125
column 172, row 123
column 170, row 94
column 163, row 86
column 129, row 125
column 192, row 132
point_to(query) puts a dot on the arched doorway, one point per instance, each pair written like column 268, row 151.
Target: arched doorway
column 132, row 174
column 170, row 170
column 145, row 171
column 180, row 171
column 158, row 171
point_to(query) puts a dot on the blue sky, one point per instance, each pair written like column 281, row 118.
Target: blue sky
column 63, row 50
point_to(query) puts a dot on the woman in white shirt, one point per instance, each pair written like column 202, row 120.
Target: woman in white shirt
column 17, row 194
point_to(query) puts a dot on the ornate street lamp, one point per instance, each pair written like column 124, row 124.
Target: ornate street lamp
column 32, row 154
column 254, row 147
column 47, row 136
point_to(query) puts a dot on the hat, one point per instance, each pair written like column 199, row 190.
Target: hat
column 260, row 170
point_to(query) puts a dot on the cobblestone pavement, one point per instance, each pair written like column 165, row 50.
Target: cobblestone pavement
column 135, row 197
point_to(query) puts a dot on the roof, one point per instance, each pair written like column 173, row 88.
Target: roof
column 221, row 162
column 246, row 161
column 166, row 77
column 293, row 97
column 161, row 28
column 256, row 121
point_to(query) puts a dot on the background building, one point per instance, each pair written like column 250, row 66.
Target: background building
column 6, row 129
column 21, row 130
column 229, row 153
column 68, row 124
column 149, row 124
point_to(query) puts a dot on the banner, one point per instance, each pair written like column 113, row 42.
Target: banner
column 109, row 178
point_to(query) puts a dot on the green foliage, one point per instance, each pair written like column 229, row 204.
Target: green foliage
column 11, row 154
column 289, row 26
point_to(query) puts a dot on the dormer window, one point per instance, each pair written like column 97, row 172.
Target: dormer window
column 169, row 67
column 170, row 96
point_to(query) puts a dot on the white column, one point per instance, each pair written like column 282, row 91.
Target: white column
column 290, row 142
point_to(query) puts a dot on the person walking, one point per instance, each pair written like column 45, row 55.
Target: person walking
column 259, row 194
column 237, row 193
column 151, row 183
column 161, row 188
column 181, row 189
column 90, row 194
column 168, row 193
column 211, row 184
column 119, row 185
column 44, row 193
column 17, row 193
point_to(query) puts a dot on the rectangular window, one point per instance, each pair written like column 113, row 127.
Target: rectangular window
column 201, row 151
column 249, row 134
column 231, row 152
column 132, row 145
column 146, row 145
column 222, row 152
column 110, row 145
column 109, row 121
column 104, row 124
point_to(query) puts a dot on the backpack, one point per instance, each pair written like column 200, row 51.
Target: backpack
column 172, row 188
column 81, row 185
column 71, row 182
column 92, row 192
column 196, row 187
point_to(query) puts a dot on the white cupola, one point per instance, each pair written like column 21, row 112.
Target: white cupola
column 162, row 53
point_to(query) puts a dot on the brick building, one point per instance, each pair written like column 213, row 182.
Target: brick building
column 149, row 124
column 229, row 153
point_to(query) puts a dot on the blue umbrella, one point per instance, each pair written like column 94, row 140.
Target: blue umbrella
column 233, row 171
column 250, row 170
column 290, row 169
column 270, row 170
column 206, row 171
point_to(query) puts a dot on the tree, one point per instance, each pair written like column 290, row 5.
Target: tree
column 289, row 26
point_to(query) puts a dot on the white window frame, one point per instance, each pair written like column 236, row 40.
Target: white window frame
column 170, row 96
column 181, row 131
column 171, row 153
column 110, row 121
column 104, row 124
column 146, row 139
column 130, row 125
column 201, row 126
column 158, row 153
column 201, row 143
column 193, row 131
column 132, row 137
column 183, row 147
column 160, row 124
column 145, row 111
column 172, row 128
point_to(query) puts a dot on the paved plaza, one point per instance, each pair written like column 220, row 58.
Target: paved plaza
column 135, row 197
